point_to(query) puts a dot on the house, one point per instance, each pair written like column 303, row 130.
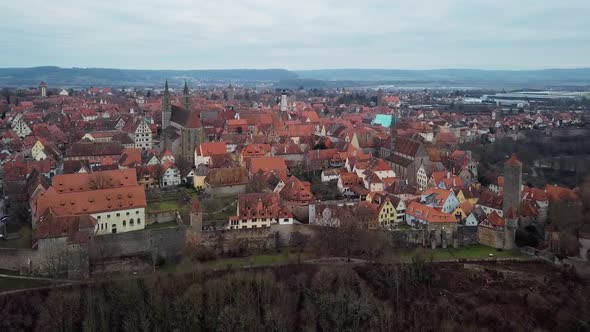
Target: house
column 387, row 213
column 94, row 152
column 268, row 164
column 440, row 198
column 170, row 175
column 267, row 182
column 130, row 158
column 167, row 156
column 231, row 180
column 329, row 175
column 140, row 133
column 115, row 200
column 259, row 210
column 491, row 202
column 205, row 151
column 253, row 151
column 398, row 204
column 345, row 181
column 148, row 176
column 418, row 214
column 199, row 176
column 21, row 128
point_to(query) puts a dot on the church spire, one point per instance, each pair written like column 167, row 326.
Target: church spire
column 166, row 107
column 186, row 96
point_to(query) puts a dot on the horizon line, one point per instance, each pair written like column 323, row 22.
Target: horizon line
column 316, row 69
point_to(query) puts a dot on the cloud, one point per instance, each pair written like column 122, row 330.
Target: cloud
column 190, row 34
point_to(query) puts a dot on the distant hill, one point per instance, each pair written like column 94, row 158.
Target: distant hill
column 84, row 77
column 477, row 77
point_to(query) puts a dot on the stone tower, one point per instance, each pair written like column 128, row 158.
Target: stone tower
column 186, row 97
column 166, row 108
column 512, row 197
column 43, row 89
column 512, row 184
column 511, row 220
column 196, row 217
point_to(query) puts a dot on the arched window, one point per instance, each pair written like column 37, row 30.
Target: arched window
column 138, row 221
column 131, row 222
column 124, row 223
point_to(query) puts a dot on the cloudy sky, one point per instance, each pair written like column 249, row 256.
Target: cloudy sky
column 301, row 34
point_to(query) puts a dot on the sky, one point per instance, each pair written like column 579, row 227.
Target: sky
column 296, row 35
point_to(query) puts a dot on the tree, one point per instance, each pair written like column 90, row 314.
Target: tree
column 99, row 181
column 298, row 241
column 184, row 165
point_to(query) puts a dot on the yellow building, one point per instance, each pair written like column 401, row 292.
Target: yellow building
column 199, row 177
column 37, row 151
column 387, row 213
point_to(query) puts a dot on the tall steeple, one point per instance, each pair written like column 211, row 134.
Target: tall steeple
column 166, row 108
column 186, row 96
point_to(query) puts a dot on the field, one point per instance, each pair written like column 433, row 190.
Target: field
column 167, row 205
column 219, row 207
column 471, row 252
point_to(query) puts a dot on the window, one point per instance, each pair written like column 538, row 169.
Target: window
column 124, row 223
column 138, row 221
column 118, row 214
column 136, row 212
column 108, row 215
column 98, row 217
column 127, row 213
column 131, row 222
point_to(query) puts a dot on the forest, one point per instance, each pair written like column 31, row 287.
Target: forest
column 419, row 295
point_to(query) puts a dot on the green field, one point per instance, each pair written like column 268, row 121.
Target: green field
column 237, row 262
column 219, row 207
column 170, row 205
column 471, row 252
column 23, row 242
column 8, row 283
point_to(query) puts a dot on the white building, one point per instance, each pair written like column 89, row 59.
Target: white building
column 21, row 128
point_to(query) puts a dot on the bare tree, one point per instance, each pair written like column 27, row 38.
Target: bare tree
column 99, row 181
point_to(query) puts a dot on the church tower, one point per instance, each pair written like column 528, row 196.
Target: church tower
column 166, row 108
column 186, row 97
column 43, row 89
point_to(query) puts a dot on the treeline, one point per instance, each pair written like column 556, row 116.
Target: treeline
column 389, row 297
column 535, row 146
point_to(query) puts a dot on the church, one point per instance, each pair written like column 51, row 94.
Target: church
column 182, row 129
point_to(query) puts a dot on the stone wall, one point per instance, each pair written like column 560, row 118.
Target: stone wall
column 18, row 259
column 491, row 238
column 164, row 242
column 467, row 235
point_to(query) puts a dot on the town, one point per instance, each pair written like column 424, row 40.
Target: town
column 105, row 180
column 79, row 165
